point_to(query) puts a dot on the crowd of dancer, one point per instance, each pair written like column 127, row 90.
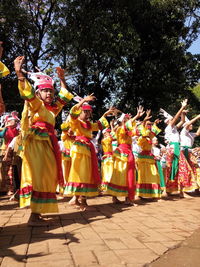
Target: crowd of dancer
column 120, row 157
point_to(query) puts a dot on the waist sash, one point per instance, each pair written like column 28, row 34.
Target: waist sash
column 94, row 160
column 56, row 149
column 131, row 166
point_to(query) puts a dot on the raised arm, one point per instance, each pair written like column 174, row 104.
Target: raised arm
column 182, row 121
column 192, row 121
column 18, row 63
column 198, row 131
column 175, row 118
column 61, row 76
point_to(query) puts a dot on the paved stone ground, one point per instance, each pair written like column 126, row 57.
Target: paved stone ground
column 110, row 236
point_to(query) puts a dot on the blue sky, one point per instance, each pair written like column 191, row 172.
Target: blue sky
column 195, row 47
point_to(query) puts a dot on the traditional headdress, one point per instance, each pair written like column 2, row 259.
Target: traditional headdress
column 106, row 130
column 12, row 116
column 86, row 106
column 41, row 80
column 165, row 114
column 123, row 116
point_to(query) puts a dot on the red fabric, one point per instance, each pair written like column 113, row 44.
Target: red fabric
column 86, row 107
column 10, row 134
column 51, row 107
column 95, row 171
column 86, row 124
column 146, row 153
column 43, row 195
column 56, row 148
column 45, row 86
column 131, row 166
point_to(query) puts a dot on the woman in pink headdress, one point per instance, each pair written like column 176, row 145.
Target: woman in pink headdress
column 122, row 182
column 84, row 177
column 41, row 166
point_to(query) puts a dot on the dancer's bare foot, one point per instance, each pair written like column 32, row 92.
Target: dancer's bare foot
column 185, row 195
column 129, row 202
column 115, row 200
column 10, row 193
column 36, row 220
column 86, row 208
column 74, row 201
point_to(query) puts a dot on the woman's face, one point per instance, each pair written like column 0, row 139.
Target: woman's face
column 46, row 95
column 85, row 115
column 155, row 141
column 12, row 123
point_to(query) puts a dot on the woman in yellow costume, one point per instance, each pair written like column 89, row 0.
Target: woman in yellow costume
column 107, row 158
column 84, row 177
column 41, row 165
column 4, row 71
column 148, row 182
column 68, row 139
column 122, row 182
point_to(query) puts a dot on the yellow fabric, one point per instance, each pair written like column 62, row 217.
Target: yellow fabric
column 147, row 170
column 4, row 71
column 66, row 161
column 122, row 137
column 120, row 165
column 39, row 167
column 144, row 143
column 81, row 165
column 106, row 144
column 76, row 124
column 107, row 162
column 38, row 154
column 66, row 165
column 147, row 174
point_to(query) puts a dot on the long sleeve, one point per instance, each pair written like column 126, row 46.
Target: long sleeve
column 64, row 97
column 27, row 93
column 4, row 71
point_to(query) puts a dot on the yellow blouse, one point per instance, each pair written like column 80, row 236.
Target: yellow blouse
column 4, row 71
column 124, row 133
column 107, row 144
column 146, row 135
column 38, row 111
column 81, row 128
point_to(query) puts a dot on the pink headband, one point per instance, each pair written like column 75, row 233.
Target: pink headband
column 87, row 107
column 45, row 85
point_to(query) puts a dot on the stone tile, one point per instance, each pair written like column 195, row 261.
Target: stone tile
column 107, row 257
column 13, row 261
column 156, row 247
column 51, row 257
column 136, row 256
column 132, row 242
column 115, row 243
column 84, row 257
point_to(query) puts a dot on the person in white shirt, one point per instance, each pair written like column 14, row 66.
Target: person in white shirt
column 156, row 151
column 174, row 174
column 189, row 162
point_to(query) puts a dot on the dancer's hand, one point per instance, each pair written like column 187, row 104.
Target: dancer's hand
column 89, row 98
column 184, row 103
column 18, row 62
column 60, row 73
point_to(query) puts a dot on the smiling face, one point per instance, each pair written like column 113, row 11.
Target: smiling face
column 46, row 95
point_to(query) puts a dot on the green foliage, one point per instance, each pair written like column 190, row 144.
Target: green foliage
column 126, row 52
column 196, row 91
